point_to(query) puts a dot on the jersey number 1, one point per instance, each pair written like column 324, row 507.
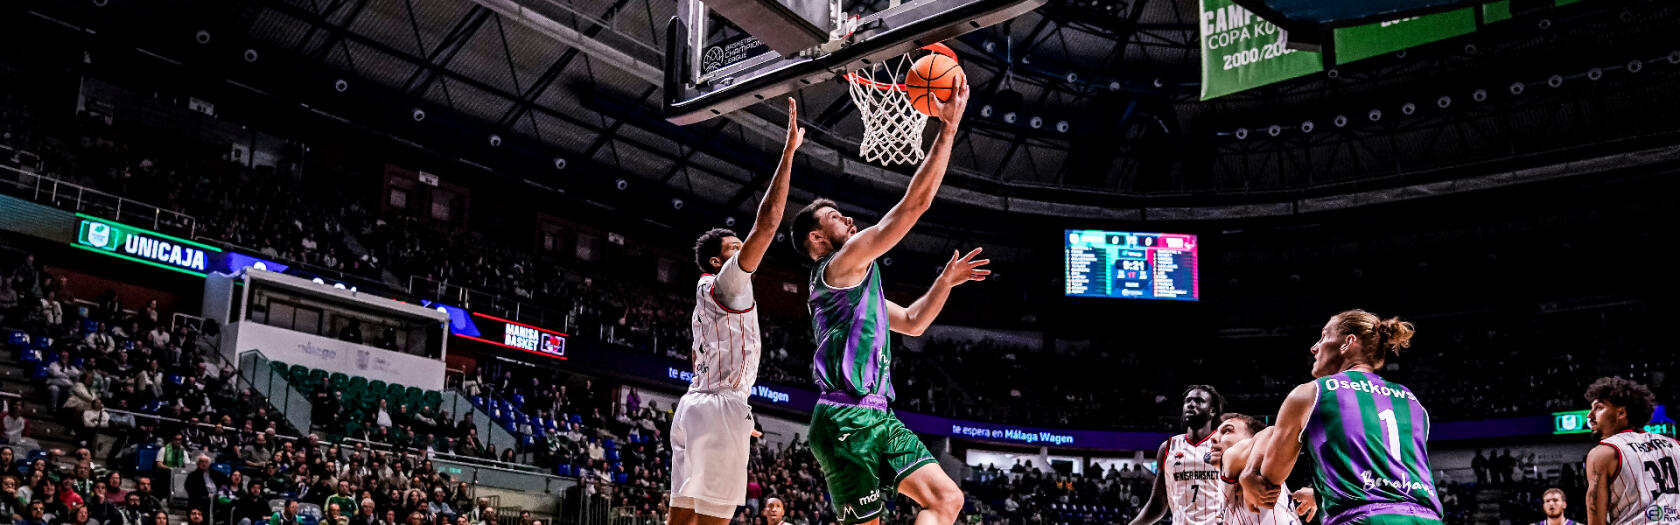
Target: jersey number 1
column 1663, row 474
column 1391, row 431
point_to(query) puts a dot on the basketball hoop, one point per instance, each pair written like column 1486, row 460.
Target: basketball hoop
column 892, row 128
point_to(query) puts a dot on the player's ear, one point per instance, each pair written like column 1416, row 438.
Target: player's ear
column 718, row 264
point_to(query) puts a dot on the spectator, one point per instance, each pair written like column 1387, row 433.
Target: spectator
column 114, row 492
column 100, row 341
column 344, row 498
column 49, row 312
column 35, row 515
column 16, row 427
column 287, row 515
column 440, row 509
column 158, row 338
column 61, row 377
column 365, row 514
column 352, row 332
column 252, row 506
column 203, row 483
column 81, row 516
column 1480, row 465
column 131, row 513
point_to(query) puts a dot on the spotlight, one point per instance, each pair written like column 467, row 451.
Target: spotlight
column 1594, row 74
column 1674, row 57
column 1408, row 108
column 622, row 184
column 1333, row 73
column 1307, row 126
column 729, row 221
column 250, row 55
column 676, row 204
column 101, row 3
column 1274, row 130
column 1036, row 122
column 202, row 36
column 1517, row 88
column 986, row 111
column 1062, row 126
column 559, row 163
column 418, row 114
column 1544, row 24
column 1443, row 102
column 1374, row 115
column 1479, row 95
column 495, row 140
column 1072, row 77
column 1158, row 83
column 341, row 85
column 1114, row 85
column 1242, row 133
column 1633, row 66
column 1470, row 49
column 886, row 261
column 990, row 46
column 1340, row 121
column 1009, row 117
column 1555, row 81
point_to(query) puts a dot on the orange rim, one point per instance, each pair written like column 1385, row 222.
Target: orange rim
column 934, row 47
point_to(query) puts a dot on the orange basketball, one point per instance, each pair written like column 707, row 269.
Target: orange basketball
column 931, row 76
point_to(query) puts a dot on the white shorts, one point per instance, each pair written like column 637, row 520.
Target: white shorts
column 711, row 435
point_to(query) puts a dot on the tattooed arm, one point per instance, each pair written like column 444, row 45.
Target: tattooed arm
column 1602, row 464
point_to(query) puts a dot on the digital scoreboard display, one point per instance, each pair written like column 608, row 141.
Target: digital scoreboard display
column 1131, row 265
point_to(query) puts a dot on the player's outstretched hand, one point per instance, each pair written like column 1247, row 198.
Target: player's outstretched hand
column 795, row 134
column 1306, row 505
column 951, row 111
column 1259, row 492
column 964, row 268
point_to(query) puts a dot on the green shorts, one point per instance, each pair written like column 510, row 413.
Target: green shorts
column 860, row 448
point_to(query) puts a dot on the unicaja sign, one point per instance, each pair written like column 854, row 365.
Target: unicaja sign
column 143, row 246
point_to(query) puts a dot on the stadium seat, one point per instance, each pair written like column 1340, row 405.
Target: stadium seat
column 433, row 398
column 17, row 338
column 519, row 400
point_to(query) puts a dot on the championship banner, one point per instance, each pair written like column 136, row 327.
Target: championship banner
column 1369, row 40
column 1241, row 51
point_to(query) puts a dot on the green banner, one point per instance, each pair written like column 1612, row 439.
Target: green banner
column 1575, row 422
column 1496, row 11
column 1369, row 40
column 1241, row 51
column 141, row 245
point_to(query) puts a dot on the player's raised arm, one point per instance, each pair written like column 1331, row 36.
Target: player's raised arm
column 872, row 242
column 1156, row 507
column 775, row 198
column 916, row 318
column 1261, row 478
column 1602, row 462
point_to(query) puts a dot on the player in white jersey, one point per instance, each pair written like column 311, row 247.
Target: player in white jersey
column 1633, row 476
column 713, row 425
column 1184, row 479
column 1239, row 439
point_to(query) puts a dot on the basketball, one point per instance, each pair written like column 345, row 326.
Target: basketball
column 931, row 76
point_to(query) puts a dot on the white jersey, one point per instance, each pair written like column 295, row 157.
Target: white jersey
column 726, row 343
column 1235, row 511
column 1193, row 491
column 1646, row 486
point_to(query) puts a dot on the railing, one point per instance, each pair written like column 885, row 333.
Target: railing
column 489, row 473
column 470, row 299
column 254, row 367
column 490, row 430
column 58, row 193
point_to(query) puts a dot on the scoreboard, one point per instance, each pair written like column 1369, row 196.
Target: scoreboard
column 1130, row 265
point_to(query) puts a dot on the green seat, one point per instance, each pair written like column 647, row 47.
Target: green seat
column 395, row 392
column 358, row 383
column 276, row 365
column 432, row 399
column 413, row 394
column 299, row 374
column 376, row 387
column 339, row 380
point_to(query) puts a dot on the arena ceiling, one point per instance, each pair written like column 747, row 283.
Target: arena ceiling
column 577, row 79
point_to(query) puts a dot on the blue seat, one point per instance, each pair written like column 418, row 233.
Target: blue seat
column 30, row 355
column 17, row 338
column 551, row 424
column 77, row 362
column 43, row 342
column 478, row 401
column 527, row 441
column 175, row 379
column 620, row 477
column 577, row 419
column 519, row 400
column 89, row 326
column 222, row 468
column 40, row 371
column 145, row 457
column 612, row 455
column 609, row 444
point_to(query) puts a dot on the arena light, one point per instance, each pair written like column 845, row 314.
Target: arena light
column 341, row 85
column 1517, row 88
column 418, row 114
column 1340, row 121
column 1635, row 65
column 1036, row 122
column 202, row 36
column 1333, row 73
column 318, row 280
column 1062, row 126
column 1479, row 95
column 1443, row 102
column 729, row 221
column 338, row 286
column 1408, row 108
column 676, row 203
column 1594, row 74
column 1674, row 57
column 559, row 163
column 621, row 184
column 495, row 141
column 1307, row 126
column 1274, row 130
column 1375, row 115
column 1242, row 133
column 250, row 55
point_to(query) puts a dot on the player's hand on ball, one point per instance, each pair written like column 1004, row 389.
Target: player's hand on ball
column 951, row 111
column 1305, row 505
column 964, row 268
column 795, row 134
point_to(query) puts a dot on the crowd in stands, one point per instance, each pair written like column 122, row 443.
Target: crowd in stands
column 1024, row 494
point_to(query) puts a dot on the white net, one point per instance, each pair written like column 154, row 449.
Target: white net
column 892, row 129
